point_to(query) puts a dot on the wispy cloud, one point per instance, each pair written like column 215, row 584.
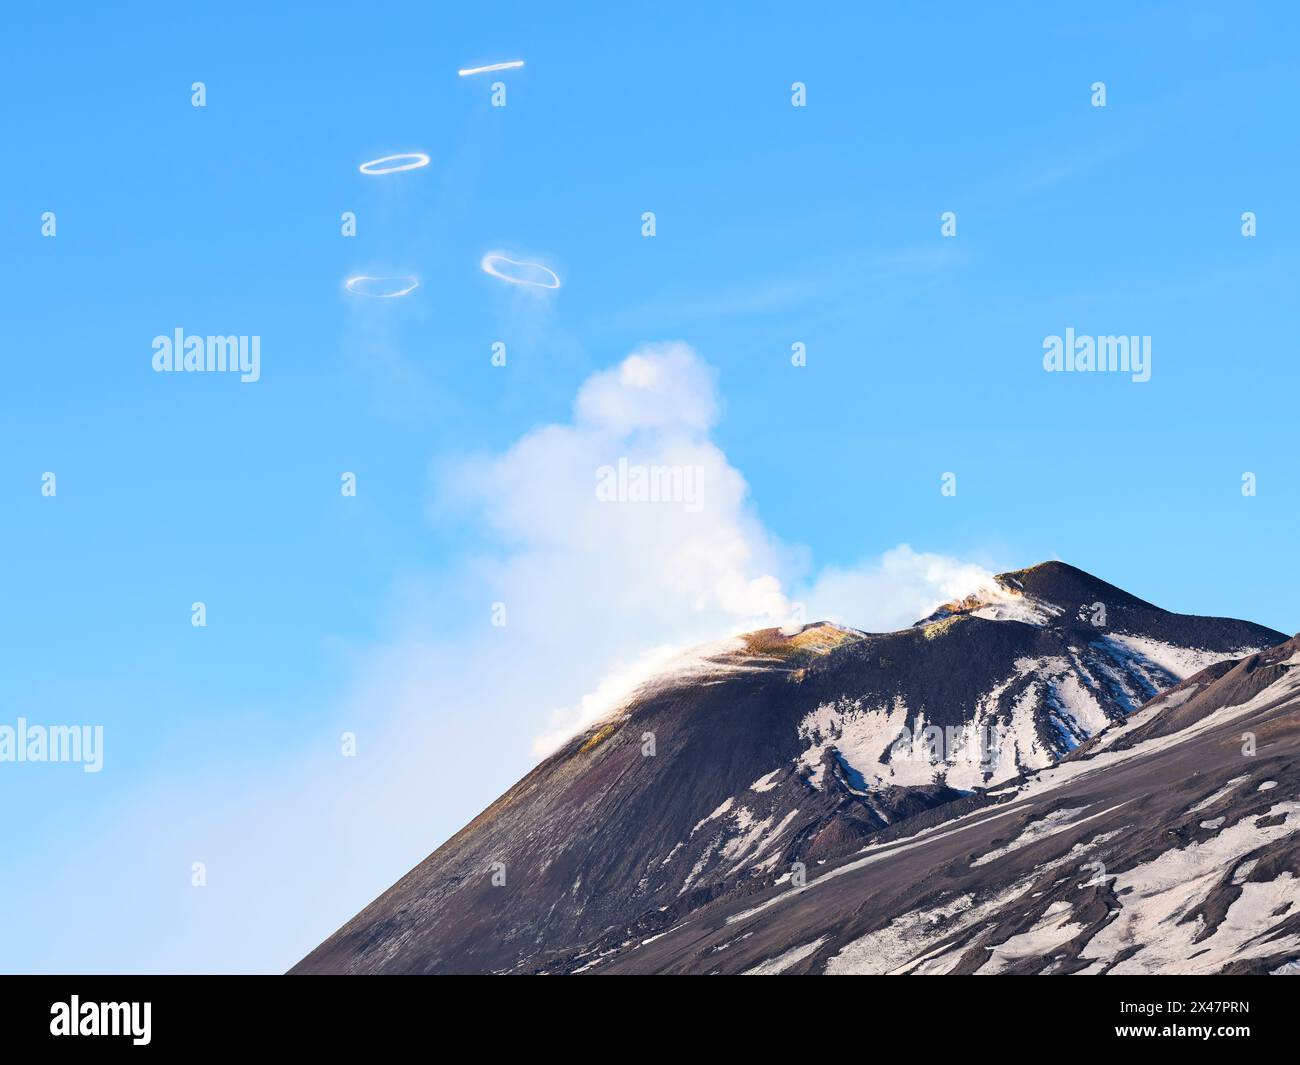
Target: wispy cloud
column 830, row 285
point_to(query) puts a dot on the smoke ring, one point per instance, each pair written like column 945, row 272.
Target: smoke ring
column 417, row 160
column 513, row 64
column 492, row 263
column 400, row 286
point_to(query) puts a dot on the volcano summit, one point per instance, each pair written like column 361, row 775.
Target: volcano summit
column 682, row 832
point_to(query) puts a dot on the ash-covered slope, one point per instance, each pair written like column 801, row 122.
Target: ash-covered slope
column 1168, row 844
column 773, row 749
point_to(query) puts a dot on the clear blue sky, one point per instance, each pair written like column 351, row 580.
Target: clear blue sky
column 775, row 224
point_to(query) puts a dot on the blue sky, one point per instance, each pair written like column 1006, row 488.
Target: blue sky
column 775, row 225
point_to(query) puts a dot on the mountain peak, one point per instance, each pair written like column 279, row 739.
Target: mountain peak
column 1037, row 595
column 796, row 745
column 1066, row 586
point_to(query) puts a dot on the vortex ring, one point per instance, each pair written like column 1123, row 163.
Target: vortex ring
column 491, row 265
column 408, row 283
column 418, row 159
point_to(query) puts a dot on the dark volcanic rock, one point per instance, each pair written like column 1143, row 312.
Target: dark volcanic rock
column 1171, row 845
column 772, row 754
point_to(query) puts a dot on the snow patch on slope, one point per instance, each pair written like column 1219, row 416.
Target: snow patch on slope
column 1053, row 930
column 779, row 964
column 1056, row 821
column 1157, row 897
column 1179, row 662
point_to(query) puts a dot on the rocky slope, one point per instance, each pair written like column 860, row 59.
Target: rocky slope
column 1168, row 844
column 771, row 750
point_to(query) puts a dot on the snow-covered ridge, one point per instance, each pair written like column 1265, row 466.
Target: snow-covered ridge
column 1046, row 708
